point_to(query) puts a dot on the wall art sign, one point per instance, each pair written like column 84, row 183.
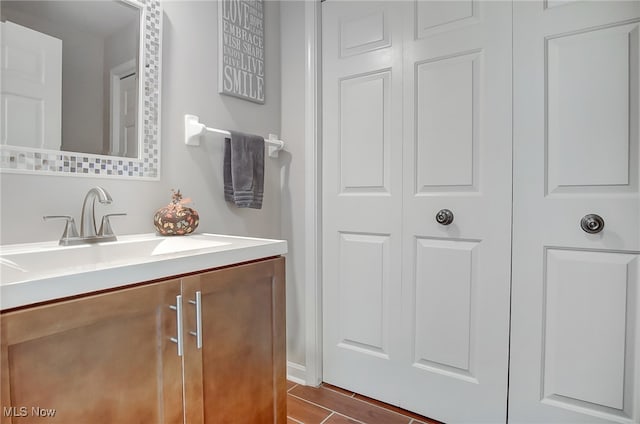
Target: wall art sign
column 241, row 49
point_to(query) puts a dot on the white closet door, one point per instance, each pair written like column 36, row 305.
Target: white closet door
column 457, row 156
column 575, row 344
column 362, row 195
column 31, row 99
column 417, row 118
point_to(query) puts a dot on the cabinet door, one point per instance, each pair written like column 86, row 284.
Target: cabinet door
column 100, row 359
column 238, row 375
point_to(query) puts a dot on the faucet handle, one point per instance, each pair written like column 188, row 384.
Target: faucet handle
column 70, row 230
column 105, row 226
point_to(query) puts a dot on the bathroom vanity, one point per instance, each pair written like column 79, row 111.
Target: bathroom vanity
column 201, row 344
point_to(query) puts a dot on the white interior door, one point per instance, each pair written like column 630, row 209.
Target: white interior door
column 417, row 118
column 457, row 157
column 123, row 140
column 362, row 195
column 575, row 341
column 128, row 112
column 31, row 98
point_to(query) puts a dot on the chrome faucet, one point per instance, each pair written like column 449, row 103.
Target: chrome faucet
column 88, row 233
column 88, row 220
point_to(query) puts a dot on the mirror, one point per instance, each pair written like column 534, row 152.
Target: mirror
column 80, row 87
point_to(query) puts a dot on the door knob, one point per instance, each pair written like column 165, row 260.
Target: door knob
column 592, row 223
column 444, row 217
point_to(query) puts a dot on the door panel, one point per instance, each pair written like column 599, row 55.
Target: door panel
column 31, row 100
column 439, row 16
column 447, row 95
column 365, row 131
column 587, row 124
column 457, row 156
column 593, row 329
column 362, row 189
column 363, row 284
column 443, row 307
column 575, row 335
column 365, row 32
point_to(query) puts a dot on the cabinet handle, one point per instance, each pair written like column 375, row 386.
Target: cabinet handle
column 198, row 332
column 179, row 339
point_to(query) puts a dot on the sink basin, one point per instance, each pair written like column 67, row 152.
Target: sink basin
column 42, row 258
column 35, row 272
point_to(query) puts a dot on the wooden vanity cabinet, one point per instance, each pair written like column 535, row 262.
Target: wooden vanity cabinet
column 109, row 358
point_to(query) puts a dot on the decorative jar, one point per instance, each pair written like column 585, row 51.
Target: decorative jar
column 176, row 219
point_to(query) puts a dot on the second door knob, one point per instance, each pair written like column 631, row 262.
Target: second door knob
column 444, row 217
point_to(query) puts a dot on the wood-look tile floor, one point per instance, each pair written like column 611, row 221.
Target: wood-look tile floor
column 328, row 404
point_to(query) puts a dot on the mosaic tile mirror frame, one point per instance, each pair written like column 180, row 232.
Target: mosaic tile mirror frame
column 146, row 166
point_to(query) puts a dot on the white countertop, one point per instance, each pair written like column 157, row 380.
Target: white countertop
column 38, row 272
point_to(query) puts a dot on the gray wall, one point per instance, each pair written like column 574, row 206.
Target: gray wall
column 293, row 193
column 189, row 85
column 190, row 76
column 82, row 92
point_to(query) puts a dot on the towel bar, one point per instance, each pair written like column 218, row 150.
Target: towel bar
column 193, row 129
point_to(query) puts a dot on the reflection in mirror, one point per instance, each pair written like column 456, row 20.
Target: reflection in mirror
column 85, row 91
column 105, row 119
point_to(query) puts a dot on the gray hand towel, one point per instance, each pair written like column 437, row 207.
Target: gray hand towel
column 244, row 170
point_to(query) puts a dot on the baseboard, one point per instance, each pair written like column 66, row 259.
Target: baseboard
column 296, row 373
